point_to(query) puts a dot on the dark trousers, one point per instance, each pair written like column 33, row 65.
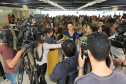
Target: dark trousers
column 1, row 70
column 41, row 73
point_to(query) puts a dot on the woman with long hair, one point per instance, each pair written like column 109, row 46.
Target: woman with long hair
column 42, row 57
column 53, row 56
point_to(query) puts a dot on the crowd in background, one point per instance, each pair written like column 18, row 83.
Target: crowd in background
column 60, row 27
column 70, row 26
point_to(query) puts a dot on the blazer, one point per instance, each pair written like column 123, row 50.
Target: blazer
column 60, row 73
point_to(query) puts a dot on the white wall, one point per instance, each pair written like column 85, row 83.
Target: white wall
column 17, row 13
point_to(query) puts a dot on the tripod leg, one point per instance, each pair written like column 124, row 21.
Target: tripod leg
column 17, row 77
column 36, row 75
column 31, row 78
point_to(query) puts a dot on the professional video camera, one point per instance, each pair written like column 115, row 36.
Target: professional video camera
column 30, row 31
column 6, row 36
column 120, row 40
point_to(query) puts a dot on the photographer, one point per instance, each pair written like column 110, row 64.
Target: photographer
column 11, row 58
column 116, row 51
column 42, row 57
column 98, row 50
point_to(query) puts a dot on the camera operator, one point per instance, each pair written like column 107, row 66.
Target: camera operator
column 98, row 50
column 11, row 58
column 42, row 59
column 117, row 52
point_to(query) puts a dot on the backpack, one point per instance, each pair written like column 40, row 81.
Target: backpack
column 72, row 74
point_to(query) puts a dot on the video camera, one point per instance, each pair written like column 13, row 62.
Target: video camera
column 120, row 40
column 6, row 36
column 84, row 47
column 29, row 32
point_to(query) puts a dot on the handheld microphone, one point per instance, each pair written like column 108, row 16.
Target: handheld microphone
column 77, row 36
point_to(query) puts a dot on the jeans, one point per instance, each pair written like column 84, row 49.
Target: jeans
column 13, row 77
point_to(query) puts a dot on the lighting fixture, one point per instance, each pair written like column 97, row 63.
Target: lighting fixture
column 45, row 1
column 100, row 1
column 91, row 3
column 52, row 3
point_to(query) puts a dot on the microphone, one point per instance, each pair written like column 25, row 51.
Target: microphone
column 66, row 37
column 77, row 36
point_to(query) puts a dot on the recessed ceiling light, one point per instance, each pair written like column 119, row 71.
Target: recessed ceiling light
column 100, row 1
column 46, row 1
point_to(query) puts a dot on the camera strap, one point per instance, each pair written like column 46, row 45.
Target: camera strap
column 37, row 56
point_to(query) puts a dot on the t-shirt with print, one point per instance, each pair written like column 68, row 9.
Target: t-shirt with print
column 116, row 77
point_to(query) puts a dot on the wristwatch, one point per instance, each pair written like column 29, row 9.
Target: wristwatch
column 80, row 68
column 122, row 65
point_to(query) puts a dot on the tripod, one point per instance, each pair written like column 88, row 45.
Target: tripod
column 31, row 70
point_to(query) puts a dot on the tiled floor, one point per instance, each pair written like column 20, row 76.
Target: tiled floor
column 25, row 78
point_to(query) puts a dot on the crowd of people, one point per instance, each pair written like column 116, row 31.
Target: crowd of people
column 12, row 19
column 61, row 32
